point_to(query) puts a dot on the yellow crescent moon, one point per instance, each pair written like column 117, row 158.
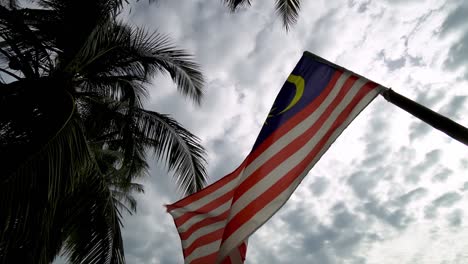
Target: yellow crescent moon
column 299, row 82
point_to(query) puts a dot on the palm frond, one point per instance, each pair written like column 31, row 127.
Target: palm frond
column 105, row 68
column 114, row 127
column 289, row 11
column 117, row 50
column 125, row 201
column 122, row 195
column 94, row 231
column 132, row 129
column 134, row 163
column 177, row 62
column 178, row 148
column 20, row 46
column 30, row 195
column 65, row 27
column 116, row 88
column 100, row 116
column 103, row 6
column 102, row 40
column 234, row 4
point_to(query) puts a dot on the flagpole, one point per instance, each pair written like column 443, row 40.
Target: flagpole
column 436, row 120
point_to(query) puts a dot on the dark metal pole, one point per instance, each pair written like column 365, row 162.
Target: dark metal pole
column 440, row 122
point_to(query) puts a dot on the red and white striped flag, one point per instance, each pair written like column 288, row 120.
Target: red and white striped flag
column 317, row 102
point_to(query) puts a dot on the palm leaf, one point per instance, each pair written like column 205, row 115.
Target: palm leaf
column 20, row 46
column 234, row 4
column 105, row 7
column 178, row 63
column 94, row 231
column 116, row 177
column 135, row 129
column 178, row 148
column 122, row 195
column 30, row 195
column 118, row 51
column 113, row 127
column 289, row 11
column 116, row 88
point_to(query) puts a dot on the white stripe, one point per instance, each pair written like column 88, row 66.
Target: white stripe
column 264, row 214
column 197, row 218
column 203, row 251
column 291, row 162
column 203, row 231
column 195, row 205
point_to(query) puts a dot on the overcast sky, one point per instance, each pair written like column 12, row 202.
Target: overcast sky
column 390, row 190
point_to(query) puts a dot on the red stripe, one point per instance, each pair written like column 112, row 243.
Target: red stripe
column 265, row 198
column 204, row 240
column 204, row 222
column 243, row 250
column 206, row 259
column 206, row 191
column 223, row 199
column 296, row 144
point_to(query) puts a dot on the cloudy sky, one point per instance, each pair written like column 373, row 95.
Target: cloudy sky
column 390, row 190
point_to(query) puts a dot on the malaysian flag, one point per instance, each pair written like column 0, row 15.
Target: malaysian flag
column 317, row 102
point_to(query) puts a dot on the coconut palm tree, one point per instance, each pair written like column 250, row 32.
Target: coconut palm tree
column 73, row 130
column 288, row 10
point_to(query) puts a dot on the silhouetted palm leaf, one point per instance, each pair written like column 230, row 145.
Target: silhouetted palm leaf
column 94, row 233
column 288, row 10
column 179, row 148
column 234, row 4
column 134, row 55
column 131, row 128
column 30, row 196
